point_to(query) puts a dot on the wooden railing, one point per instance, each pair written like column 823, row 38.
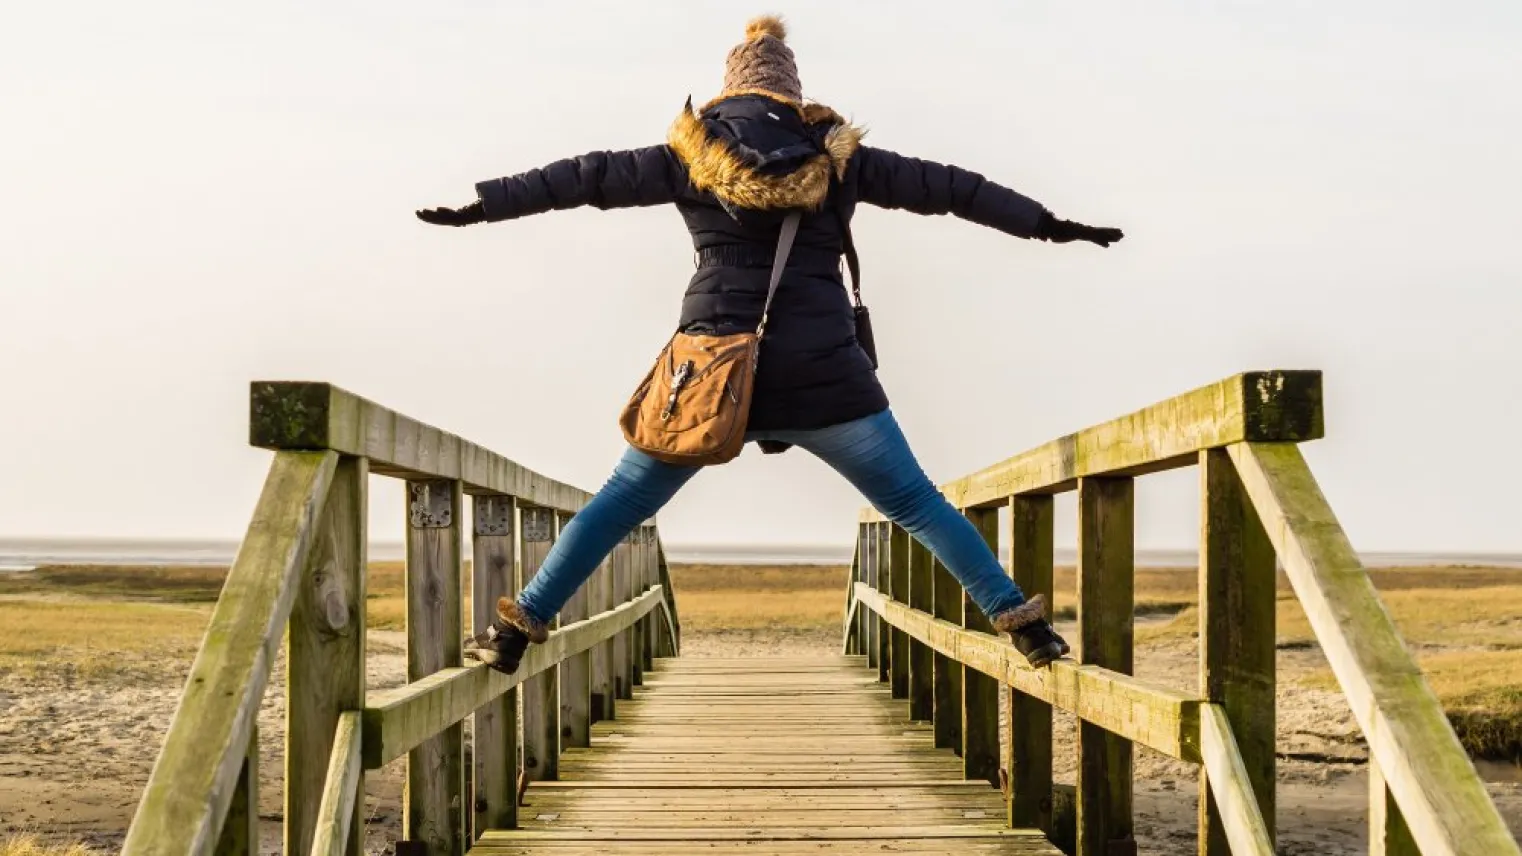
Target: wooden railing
column 300, row 574
column 1259, row 503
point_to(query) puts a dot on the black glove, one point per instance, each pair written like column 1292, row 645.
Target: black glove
column 475, row 212
column 1063, row 231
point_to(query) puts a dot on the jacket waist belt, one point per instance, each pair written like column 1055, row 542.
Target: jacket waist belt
column 748, row 256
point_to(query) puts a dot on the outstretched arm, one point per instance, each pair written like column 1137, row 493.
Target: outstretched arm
column 626, row 179
column 890, row 180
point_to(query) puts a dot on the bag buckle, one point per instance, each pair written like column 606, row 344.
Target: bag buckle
column 678, row 380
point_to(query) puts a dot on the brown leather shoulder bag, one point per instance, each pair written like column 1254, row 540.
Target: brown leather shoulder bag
column 693, row 406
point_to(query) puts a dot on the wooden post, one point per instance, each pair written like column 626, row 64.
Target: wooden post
column 636, row 586
column 541, row 693
column 898, row 589
column 325, row 672
column 1030, row 719
column 575, row 672
column 600, row 599
column 650, row 626
column 980, row 692
column 623, row 653
column 853, row 638
column 1106, row 600
column 883, row 553
column 869, row 566
column 921, row 657
column 1237, row 599
column 1388, row 833
column 240, row 830
column 495, row 755
column 434, row 798
column 946, row 602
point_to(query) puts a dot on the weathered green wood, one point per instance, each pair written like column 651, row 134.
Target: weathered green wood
column 575, row 673
column 1433, row 781
column 642, row 655
column 604, row 690
column 196, row 775
column 670, row 644
column 541, row 693
column 1232, row 791
column 325, row 664
column 307, row 416
column 623, row 643
column 433, row 813
column 921, row 657
column 622, row 564
column 898, row 589
column 1388, row 833
column 946, row 605
column 338, row 821
column 884, row 556
column 1237, row 597
column 1106, row 603
column 1031, row 798
column 851, row 642
column 494, row 758
column 869, row 565
column 240, row 831
column 1265, row 406
column 399, row 719
column 981, row 693
column 1142, row 712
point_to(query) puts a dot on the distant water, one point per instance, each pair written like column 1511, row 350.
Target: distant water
column 25, row 553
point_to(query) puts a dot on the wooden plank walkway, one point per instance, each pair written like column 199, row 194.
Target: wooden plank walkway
column 761, row 756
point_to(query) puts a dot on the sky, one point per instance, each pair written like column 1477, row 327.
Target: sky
column 199, row 195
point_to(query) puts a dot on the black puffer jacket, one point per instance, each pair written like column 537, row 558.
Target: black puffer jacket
column 733, row 170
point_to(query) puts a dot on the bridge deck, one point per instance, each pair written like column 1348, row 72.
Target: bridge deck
column 761, row 755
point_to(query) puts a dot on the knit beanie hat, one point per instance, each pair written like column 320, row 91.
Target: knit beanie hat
column 763, row 63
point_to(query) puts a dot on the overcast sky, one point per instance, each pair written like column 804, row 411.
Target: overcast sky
column 196, row 195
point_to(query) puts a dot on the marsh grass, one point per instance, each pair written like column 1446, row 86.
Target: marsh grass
column 109, row 623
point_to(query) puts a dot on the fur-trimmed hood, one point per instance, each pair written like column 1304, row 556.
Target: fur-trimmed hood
column 754, row 152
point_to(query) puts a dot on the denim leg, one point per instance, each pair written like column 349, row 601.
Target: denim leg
column 639, row 487
column 873, row 454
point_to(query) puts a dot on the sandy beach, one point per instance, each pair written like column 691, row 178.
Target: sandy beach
column 77, row 741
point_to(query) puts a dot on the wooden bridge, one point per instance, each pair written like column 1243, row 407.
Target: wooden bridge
column 893, row 746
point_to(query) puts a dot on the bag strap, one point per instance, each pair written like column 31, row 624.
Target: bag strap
column 853, row 264
column 779, row 262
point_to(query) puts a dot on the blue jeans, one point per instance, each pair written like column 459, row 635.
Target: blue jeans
column 871, row 453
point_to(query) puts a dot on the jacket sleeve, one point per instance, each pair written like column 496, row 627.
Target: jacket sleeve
column 625, row 179
column 891, row 180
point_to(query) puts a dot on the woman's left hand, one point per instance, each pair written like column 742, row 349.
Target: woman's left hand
column 475, row 212
column 1063, row 231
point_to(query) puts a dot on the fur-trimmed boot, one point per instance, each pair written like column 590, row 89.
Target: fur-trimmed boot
column 1033, row 635
column 502, row 644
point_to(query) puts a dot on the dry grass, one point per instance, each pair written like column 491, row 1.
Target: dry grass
column 96, row 639
column 30, row 845
column 760, row 597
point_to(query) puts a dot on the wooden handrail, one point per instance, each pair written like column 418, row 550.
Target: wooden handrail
column 1263, row 406
column 345, row 777
column 1425, row 767
column 397, row 720
column 1258, row 500
column 1155, row 716
column 301, row 568
column 192, row 783
column 289, row 415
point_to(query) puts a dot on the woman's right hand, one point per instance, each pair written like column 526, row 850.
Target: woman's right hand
column 475, row 212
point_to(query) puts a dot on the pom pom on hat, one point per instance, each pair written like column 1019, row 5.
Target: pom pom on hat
column 766, row 25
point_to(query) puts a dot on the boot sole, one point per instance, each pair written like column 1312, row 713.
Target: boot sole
column 1044, row 655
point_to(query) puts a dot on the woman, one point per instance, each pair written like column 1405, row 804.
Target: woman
column 733, row 170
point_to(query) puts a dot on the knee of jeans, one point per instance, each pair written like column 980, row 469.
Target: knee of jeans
column 914, row 506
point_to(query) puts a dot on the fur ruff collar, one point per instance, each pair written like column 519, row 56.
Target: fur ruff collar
column 714, row 167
